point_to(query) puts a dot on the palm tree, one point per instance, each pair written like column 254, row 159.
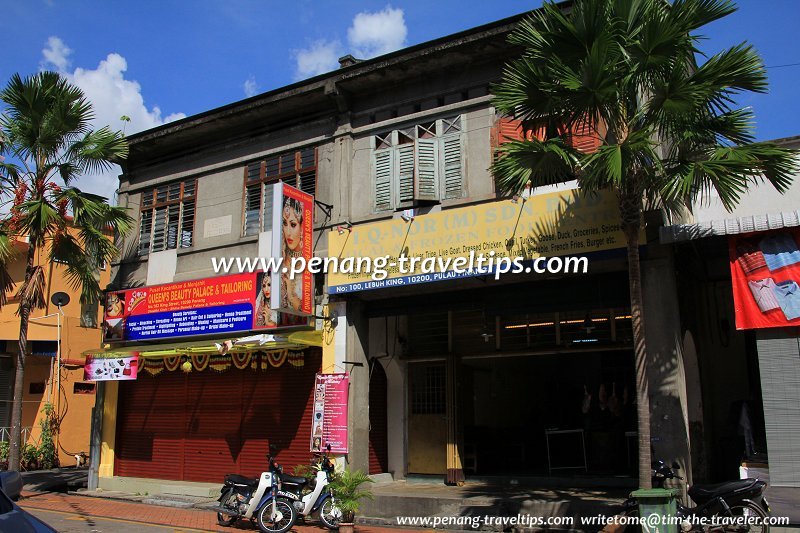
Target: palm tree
column 47, row 141
column 667, row 128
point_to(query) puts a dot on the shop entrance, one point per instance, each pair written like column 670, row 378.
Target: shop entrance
column 552, row 414
column 427, row 427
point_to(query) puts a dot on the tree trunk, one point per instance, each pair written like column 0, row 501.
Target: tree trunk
column 19, row 379
column 631, row 225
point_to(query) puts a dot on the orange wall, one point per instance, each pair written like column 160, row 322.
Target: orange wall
column 76, row 408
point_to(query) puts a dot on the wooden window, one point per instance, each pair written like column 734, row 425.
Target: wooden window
column 421, row 163
column 297, row 168
column 167, row 216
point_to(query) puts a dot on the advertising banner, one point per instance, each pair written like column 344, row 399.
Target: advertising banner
column 117, row 369
column 292, row 236
column 222, row 304
column 329, row 423
column 563, row 223
column 765, row 271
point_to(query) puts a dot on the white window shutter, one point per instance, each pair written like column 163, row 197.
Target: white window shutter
column 452, row 166
column 384, row 167
column 405, row 165
column 427, row 182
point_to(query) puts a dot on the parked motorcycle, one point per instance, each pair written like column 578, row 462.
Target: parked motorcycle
column 318, row 496
column 257, row 499
column 740, row 498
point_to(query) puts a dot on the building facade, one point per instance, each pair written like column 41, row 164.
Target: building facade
column 77, row 330
column 454, row 376
column 744, row 332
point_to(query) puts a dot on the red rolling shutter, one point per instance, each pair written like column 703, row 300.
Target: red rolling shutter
column 378, row 435
column 199, row 426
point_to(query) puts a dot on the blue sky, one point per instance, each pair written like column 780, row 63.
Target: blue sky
column 160, row 60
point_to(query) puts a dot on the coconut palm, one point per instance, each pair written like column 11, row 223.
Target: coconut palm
column 665, row 125
column 47, row 142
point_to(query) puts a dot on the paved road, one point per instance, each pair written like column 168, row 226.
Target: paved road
column 75, row 523
column 70, row 513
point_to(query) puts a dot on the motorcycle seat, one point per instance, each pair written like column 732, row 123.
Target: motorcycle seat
column 236, row 479
column 292, row 480
column 703, row 493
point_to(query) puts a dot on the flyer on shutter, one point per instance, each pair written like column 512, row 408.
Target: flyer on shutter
column 329, row 421
column 765, row 272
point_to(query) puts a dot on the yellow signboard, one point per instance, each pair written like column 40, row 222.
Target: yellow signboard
column 558, row 224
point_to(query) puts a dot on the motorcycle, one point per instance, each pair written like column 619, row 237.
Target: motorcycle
column 741, row 498
column 257, row 499
column 319, row 497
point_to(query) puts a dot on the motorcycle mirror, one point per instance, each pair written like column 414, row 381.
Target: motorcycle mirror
column 272, row 448
column 676, row 466
column 328, row 447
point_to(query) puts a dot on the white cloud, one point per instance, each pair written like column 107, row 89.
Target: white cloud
column 375, row 34
column 321, row 56
column 112, row 96
column 250, row 86
column 56, row 53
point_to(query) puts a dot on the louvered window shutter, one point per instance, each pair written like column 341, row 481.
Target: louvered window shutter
column 251, row 209
column 173, row 218
column 583, row 138
column 427, row 163
column 453, row 166
column 145, row 231
column 384, row 168
column 159, row 229
column 509, row 129
column 405, row 166
column 267, row 218
column 187, row 223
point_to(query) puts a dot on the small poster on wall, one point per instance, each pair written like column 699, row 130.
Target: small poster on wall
column 765, row 271
column 107, row 369
column 329, row 421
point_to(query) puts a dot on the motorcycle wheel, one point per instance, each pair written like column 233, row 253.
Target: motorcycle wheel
column 330, row 515
column 285, row 516
column 226, row 519
column 749, row 510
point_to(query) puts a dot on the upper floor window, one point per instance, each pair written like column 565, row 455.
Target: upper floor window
column 424, row 162
column 167, row 216
column 297, row 168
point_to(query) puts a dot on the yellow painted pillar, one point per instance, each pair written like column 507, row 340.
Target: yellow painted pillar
column 109, row 432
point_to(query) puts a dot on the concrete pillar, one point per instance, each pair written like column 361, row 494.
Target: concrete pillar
column 669, row 423
column 357, row 338
column 95, row 440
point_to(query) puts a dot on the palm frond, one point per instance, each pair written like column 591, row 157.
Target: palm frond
column 534, row 162
column 7, row 255
column 31, row 293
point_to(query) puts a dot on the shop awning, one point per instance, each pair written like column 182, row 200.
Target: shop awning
column 729, row 226
column 296, row 340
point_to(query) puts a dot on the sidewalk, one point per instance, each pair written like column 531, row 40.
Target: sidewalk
column 151, row 514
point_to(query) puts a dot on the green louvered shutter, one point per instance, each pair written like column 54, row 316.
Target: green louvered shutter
column 405, row 164
column 427, row 186
column 452, row 166
column 383, row 179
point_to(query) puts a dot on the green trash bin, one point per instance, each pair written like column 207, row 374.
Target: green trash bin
column 658, row 510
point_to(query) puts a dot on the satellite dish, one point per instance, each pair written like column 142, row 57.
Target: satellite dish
column 60, row 299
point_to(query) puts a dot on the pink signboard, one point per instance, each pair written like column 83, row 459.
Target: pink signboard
column 329, row 423
column 107, row 369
